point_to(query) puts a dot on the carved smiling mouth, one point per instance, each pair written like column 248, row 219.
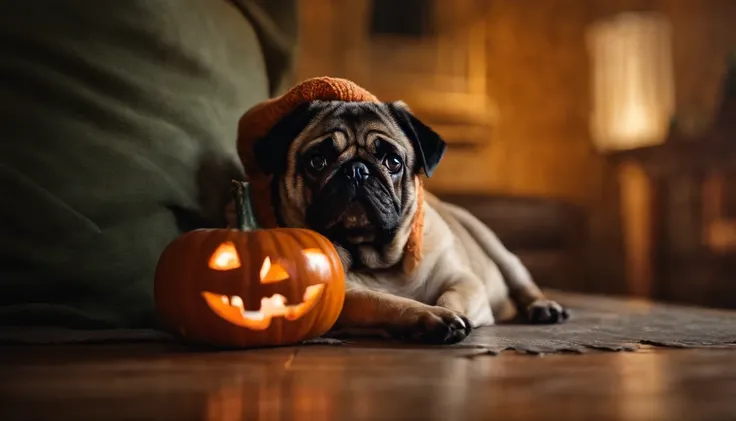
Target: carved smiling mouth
column 231, row 308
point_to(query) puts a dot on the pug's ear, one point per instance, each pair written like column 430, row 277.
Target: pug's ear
column 270, row 150
column 428, row 145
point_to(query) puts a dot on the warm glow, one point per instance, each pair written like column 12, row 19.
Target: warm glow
column 634, row 122
column 233, row 310
column 225, row 257
column 633, row 82
column 272, row 272
column 317, row 261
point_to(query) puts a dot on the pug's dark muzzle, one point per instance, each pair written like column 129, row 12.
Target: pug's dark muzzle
column 355, row 206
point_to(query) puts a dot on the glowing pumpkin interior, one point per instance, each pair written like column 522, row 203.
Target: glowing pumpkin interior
column 231, row 308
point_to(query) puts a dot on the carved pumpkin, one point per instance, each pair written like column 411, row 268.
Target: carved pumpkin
column 238, row 288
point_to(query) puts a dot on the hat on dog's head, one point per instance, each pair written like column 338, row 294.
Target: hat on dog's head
column 262, row 117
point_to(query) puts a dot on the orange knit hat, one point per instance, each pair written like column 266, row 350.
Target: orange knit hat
column 259, row 120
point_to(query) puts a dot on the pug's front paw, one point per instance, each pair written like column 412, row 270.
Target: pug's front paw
column 438, row 326
column 546, row 312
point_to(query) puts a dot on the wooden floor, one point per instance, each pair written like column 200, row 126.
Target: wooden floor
column 157, row 382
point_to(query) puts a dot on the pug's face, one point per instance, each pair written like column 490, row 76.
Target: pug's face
column 348, row 171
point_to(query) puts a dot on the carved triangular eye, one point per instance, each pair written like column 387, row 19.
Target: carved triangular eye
column 272, row 272
column 225, row 257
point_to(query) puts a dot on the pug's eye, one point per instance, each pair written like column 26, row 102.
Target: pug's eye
column 393, row 162
column 317, row 163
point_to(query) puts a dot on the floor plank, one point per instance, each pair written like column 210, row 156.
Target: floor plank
column 361, row 382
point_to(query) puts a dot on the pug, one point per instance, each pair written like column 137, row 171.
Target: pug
column 349, row 170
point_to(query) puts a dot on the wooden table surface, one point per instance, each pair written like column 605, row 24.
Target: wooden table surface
column 361, row 382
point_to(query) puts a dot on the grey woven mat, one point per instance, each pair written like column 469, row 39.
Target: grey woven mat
column 597, row 323
column 612, row 324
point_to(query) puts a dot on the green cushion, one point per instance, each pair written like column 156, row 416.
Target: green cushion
column 118, row 133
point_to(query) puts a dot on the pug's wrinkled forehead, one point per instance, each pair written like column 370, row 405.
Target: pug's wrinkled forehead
column 344, row 130
column 363, row 126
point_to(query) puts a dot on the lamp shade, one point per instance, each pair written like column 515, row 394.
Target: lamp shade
column 632, row 81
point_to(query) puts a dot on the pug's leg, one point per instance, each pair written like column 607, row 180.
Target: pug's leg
column 365, row 309
column 527, row 296
column 465, row 294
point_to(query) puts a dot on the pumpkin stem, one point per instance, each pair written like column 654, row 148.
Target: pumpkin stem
column 245, row 218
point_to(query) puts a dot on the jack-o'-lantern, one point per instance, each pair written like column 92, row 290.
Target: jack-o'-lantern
column 247, row 288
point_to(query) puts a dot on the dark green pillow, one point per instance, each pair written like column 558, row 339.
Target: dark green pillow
column 118, row 133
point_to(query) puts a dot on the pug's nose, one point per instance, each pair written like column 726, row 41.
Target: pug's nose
column 356, row 171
